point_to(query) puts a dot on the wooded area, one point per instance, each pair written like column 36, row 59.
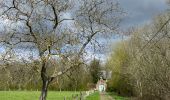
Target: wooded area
column 140, row 64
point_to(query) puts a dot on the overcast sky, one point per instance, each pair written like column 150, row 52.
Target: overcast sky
column 141, row 11
column 138, row 13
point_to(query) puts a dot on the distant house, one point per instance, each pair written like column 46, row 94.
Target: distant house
column 101, row 85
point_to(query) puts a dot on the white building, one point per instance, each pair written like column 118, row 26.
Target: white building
column 101, row 85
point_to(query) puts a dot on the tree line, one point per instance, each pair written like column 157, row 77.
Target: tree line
column 141, row 64
column 25, row 75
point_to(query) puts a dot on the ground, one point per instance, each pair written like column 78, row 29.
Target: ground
column 34, row 95
column 116, row 96
column 105, row 96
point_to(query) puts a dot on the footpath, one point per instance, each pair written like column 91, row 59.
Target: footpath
column 105, row 96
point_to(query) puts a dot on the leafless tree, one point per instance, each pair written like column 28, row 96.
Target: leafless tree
column 56, row 29
column 149, row 67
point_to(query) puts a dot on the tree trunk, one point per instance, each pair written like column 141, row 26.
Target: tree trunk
column 44, row 90
column 45, row 82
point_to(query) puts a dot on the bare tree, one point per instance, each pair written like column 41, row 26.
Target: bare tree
column 149, row 66
column 43, row 25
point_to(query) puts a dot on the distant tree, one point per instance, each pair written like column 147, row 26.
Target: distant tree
column 118, row 63
column 95, row 68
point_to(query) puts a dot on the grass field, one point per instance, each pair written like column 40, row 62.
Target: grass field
column 94, row 96
column 34, row 95
column 52, row 95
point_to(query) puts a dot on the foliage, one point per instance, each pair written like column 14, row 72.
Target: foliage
column 118, row 63
column 151, row 65
column 25, row 76
column 20, row 76
column 75, row 79
column 141, row 66
column 95, row 68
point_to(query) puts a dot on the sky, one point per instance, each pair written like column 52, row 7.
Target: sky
column 138, row 12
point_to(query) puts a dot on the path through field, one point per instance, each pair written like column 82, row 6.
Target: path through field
column 104, row 96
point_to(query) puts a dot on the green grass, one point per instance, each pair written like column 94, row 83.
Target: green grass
column 94, row 96
column 34, row 95
column 117, row 97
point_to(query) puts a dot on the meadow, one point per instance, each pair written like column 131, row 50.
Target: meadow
column 34, row 95
column 52, row 95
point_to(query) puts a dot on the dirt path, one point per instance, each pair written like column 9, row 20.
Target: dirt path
column 104, row 96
